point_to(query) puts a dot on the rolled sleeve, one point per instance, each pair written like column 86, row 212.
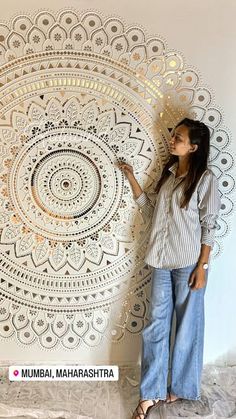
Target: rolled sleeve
column 145, row 205
column 209, row 207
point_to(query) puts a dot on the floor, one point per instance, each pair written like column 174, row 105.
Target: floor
column 112, row 400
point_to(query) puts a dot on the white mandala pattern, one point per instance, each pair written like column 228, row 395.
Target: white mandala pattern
column 80, row 92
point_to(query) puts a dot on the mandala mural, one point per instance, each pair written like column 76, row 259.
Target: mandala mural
column 78, row 93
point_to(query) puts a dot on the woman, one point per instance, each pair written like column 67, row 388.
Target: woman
column 182, row 235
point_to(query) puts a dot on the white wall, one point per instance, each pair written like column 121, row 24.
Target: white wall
column 205, row 32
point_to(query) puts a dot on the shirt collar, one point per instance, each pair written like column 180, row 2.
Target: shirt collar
column 173, row 170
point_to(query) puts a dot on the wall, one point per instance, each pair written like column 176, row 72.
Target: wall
column 204, row 32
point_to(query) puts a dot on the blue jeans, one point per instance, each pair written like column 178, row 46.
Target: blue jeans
column 170, row 291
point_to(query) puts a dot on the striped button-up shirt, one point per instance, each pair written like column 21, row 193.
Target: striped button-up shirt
column 177, row 233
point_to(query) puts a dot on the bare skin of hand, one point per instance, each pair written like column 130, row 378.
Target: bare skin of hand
column 128, row 171
column 126, row 168
column 197, row 279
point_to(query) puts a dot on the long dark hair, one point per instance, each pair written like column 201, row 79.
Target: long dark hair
column 199, row 134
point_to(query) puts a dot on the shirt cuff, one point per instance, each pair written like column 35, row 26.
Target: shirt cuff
column 208, row 235
column 142, row 200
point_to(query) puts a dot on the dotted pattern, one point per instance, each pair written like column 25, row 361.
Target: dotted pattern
column 78, row 93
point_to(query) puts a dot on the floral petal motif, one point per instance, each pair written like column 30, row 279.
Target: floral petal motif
column 54, row 110
column 99, row 322
column 36, row 113
column 40, row 253
column 94, row 253
column 20, row 319
column 20, row 121
column 137, row 56
column 25, row 245
column 109, row 244
column 8, row 135
column 36, row 37
column 58, row 257
column 72, row 110
column 89, row 115
column 68, row 19
column 60, row 327
column 16, row 43
column 10, row 234
column 71, row 340
column 122, row 232
column 92, row 337
column 57, row 35
column 48, row 339
column 120, row 133
column 105, row 122
column 80, row 325
column 26, row 335
column 119, row 46
column 131, row 147
column 79, row 35
column 75, row 256
column 140, row 164
column 4, row 218
column 99, row 40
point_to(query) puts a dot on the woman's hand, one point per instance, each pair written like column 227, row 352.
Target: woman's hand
column 126, row 168
column 197, row 279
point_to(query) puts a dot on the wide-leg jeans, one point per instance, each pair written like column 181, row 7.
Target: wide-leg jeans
column 171, row 291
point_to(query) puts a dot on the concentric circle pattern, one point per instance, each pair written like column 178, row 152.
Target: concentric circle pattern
column 67, row 188
column 68, row 178
column 80, row 92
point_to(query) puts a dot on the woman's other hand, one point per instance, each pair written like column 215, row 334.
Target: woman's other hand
column 197, row 279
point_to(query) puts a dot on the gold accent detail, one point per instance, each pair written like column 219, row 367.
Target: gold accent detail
column 4, row 192
column 4, row 177
column 14, row 150
column 23, row 138
column 154, row 68
column 173, row 63
column 25, row 230
column 15, row 219
column 141, row 71
column 39, row 239
column 8, row 163
column 170, row 82
column 183, row 98
column 136, row 56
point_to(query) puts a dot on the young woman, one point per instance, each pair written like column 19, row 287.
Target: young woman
column 182, row 235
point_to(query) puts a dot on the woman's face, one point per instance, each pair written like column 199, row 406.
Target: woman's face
column 180, row 143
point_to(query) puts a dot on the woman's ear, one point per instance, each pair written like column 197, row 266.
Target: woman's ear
column 193, row 148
